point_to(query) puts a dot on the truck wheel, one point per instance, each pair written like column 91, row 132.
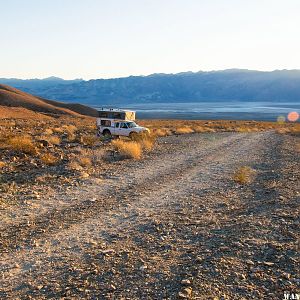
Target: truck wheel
column 107, row 134
column 133, row 136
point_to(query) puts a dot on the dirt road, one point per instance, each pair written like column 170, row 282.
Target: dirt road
column 174, row 225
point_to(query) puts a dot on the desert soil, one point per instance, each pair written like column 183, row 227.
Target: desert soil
column 174, row 225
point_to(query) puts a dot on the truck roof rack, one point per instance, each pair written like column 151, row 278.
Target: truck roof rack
column 115, row 110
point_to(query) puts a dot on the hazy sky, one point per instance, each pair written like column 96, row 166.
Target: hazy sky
column 115, row 38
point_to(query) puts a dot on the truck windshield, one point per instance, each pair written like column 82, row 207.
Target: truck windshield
column 131, row 124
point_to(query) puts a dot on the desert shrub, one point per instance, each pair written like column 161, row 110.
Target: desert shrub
column 243, row 175
column 2, row 164
column 242, row 129
column 49, row 159
column 199, row 129
column 69, row 129
column 48, row 131
column 89, row 140
column 282, row 130
column 80, row 160
column 147, row 141
column 96, row 155
column 71, row 137
column 147, row 144
column 58, row 130
column 84, row 161
column 184, row 130
column 161, row 132
column 52, row 139
column 128, row 149
column 22, row 144
column 74, row 165
column 44, row 178
column 10, row 187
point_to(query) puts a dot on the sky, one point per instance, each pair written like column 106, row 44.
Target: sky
column 115, row 38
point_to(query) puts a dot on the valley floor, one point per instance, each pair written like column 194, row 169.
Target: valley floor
column 173, row 225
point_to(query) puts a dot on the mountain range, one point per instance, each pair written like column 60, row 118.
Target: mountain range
column 226, row 85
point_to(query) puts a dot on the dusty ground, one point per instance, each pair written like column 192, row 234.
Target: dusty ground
column 170, row 226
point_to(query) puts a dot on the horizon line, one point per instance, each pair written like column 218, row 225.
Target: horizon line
column 53, row 77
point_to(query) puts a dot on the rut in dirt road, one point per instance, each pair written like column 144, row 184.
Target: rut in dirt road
column 176, row 226
column 165, row 170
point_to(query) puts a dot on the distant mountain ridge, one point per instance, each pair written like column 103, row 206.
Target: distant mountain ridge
column 226, row 85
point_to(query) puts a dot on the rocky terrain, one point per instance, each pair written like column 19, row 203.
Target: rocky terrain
column 176, row 224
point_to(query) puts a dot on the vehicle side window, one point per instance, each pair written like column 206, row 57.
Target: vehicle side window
column 123, row 125
column 105, row 123
column 117, row 125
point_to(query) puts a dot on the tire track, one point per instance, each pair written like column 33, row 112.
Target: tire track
column 25, row 235
column 148, row 203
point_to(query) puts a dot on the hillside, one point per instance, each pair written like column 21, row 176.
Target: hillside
column 14, row 98
column 227, row 85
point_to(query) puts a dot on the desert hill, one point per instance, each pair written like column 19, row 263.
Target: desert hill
column 11, row 97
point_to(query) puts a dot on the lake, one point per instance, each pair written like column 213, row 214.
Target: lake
column 233, row 110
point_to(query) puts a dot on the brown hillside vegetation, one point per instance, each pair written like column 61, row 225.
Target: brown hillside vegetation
column 11, row 97
column 21, row 113
column 79, row 108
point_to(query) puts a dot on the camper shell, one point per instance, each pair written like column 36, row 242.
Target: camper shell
column 118, row 122
column 116, row 114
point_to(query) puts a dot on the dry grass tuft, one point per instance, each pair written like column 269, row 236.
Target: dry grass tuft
column 161, row 132
column 74, row 165
column 22, row 144
column 243, row 175
column 52, row 139
column 89, row 140
column 200, row 129
column 2, row 164
column 48, row 131
column 244, row 129
column 69, row 129
column 184, row 130
column 147, row 144
column 85, row 161
column 95, row 155
column 146, row 141
column 81, row 160
column 58, row 130
column 282, row 130
column 128, row 149
column 49, row 159
column 44, row 178
column 71, row 137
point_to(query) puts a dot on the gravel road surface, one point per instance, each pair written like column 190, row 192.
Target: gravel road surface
column 174, row 225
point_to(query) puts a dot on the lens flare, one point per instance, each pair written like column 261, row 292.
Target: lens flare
column 281, row 119
column 293, row 116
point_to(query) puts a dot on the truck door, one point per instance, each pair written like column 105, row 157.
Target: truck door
column 117, row 128
column 123, row 130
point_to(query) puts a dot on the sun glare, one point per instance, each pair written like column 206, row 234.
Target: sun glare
column 293, row 116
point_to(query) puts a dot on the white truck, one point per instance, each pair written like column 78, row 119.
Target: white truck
column 118, row 122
